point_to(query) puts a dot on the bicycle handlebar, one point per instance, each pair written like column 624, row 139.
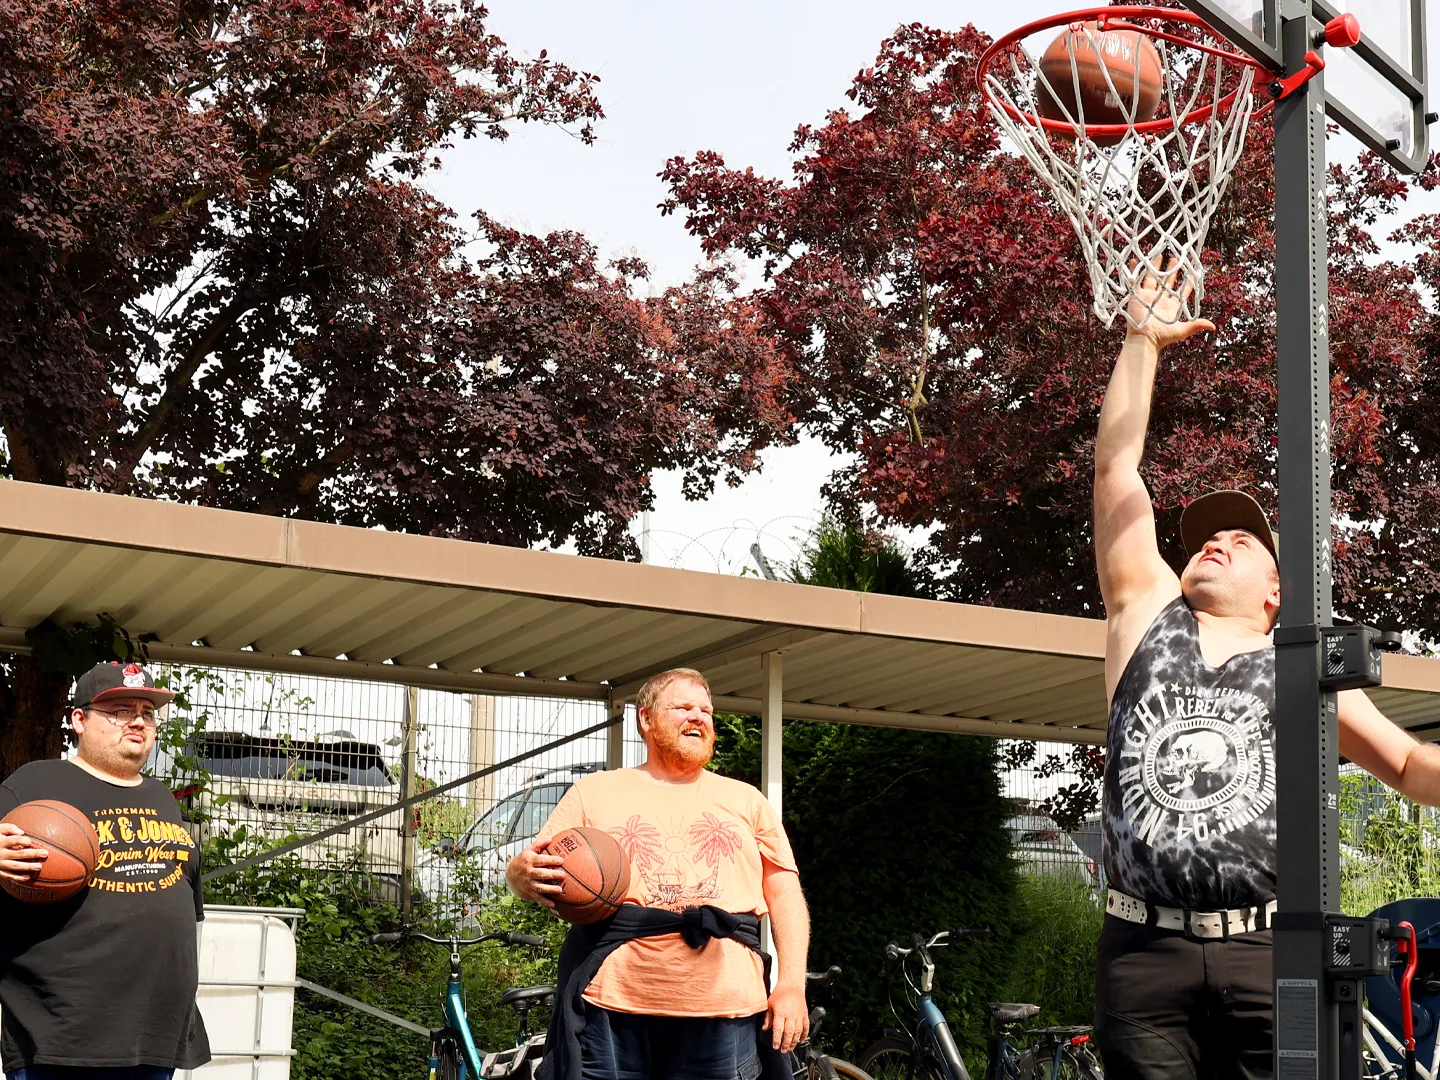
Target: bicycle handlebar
column 823, row 978
column 920, row 942
column 503, row 936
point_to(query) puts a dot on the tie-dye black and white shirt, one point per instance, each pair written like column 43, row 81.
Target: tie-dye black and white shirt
column 1190, row 773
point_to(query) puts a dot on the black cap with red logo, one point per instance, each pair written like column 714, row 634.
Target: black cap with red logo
column 115, row 680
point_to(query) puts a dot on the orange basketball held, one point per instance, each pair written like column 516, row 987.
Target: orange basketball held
column 597, row 873
column 73, row 845
column 1117, row 73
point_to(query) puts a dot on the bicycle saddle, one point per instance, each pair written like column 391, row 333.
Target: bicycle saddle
column 527, row 996
column 1006, row 1012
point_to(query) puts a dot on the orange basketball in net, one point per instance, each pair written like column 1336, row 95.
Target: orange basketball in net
column 70, row 839
column 1115, row 71
column 597, row 873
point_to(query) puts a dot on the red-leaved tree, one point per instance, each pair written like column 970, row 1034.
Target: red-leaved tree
column 935, row 305
column 225, row 284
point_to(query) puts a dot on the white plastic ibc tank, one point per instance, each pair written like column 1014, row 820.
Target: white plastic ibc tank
column 247, row 992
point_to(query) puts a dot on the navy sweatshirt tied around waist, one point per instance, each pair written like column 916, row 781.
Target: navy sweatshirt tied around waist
column 586, row 948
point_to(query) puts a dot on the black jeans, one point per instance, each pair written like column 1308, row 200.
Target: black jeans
column 1175, row 1008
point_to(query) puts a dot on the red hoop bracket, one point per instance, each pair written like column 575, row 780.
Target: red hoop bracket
column 1341, row 32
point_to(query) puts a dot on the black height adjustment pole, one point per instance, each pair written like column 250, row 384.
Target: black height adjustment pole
column 1307, row 1014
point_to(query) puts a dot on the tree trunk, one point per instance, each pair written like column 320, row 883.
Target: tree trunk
column 31, row 711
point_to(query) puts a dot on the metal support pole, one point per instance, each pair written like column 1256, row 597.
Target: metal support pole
column 772, row 721
column 408, row 765
column 1306, row 1014
column 772, row 728
column 615, row 735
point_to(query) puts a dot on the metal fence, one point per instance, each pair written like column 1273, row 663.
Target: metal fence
column 289, row 755
column 258, row 757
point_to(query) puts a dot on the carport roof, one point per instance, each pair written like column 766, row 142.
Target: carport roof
column 221, row 588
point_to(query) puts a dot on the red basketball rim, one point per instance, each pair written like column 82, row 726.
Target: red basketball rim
column 1113, row 18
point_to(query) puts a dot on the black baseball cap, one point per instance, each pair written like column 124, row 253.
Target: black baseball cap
column 1221, row 510
column 117, row 680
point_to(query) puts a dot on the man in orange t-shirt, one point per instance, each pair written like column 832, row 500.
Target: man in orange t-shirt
column 658, row 1007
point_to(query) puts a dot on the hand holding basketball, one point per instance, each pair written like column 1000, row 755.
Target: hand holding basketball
column 536, row 875
column 1157, row 308
column 20, row 856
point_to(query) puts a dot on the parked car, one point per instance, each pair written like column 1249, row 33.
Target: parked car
column 475, row 861
column 1042, row 847
column 276, row 787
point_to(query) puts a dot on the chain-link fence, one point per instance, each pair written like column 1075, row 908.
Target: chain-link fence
column 258, row 757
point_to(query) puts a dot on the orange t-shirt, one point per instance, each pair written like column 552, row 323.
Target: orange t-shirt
column 704, row 842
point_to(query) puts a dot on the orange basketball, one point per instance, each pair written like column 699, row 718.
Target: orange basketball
column 70, row 839
column 1134, row 78
column 597, row 873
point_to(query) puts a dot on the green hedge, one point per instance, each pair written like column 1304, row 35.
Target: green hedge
column 895, row 832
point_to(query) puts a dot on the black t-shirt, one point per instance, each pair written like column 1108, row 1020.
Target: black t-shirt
column 107, row 977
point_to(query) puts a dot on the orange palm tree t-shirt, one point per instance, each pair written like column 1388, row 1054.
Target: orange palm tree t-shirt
column 710, row 841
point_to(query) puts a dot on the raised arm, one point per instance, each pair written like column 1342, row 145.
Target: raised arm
column 1134, row 580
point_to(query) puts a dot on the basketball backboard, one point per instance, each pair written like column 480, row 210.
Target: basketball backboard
column 1376, row 91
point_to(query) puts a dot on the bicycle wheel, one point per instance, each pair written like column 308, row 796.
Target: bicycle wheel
column 1078, row 1063
column 446, row 1049
column 894, row 1059
column 845, row 1071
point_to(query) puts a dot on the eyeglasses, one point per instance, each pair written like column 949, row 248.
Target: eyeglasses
column 126, row 717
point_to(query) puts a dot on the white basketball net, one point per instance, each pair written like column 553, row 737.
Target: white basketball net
column 1141, row 208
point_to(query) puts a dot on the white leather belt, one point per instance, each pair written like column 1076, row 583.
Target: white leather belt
column 1199, row 924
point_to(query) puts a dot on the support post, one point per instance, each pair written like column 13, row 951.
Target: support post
column 615, row 734
column 1307, row 1017
column 772, row 725
column 407, row 789
column 772, row 721
column 482, row 751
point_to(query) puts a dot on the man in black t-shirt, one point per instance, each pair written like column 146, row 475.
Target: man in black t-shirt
column 102, row 986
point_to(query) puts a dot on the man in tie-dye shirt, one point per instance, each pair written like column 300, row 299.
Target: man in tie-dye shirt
column 1184, row 977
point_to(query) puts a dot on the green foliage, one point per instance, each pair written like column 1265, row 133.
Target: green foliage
column 440, row 816
column 75, row 649
column 1389, row 846
column 336, row 1042
column 895, row 832
column 1051, row 955
column 839, row 556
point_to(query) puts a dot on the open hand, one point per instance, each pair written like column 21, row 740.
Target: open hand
column 534, row 875
column 20, row 855
column 1157, row 301
column 786, row 1018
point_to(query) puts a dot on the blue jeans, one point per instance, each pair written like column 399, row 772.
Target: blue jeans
column 630, row 1046
column 70, row 1072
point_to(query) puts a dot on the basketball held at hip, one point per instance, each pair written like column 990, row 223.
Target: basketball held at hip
column 73, row 847
column 1116, row 73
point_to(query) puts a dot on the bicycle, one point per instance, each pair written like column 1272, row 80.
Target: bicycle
column 926, row 1049
column 807, row 1063
column 453, row 1054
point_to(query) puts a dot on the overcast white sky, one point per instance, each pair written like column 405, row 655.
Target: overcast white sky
column 676, row 78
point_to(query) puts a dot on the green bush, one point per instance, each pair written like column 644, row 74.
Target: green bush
column 336, row 1042
column 895, row 832
column 1052, row 955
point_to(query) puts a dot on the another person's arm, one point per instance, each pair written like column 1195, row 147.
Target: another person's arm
column 787, row 1017
column 1386, row 751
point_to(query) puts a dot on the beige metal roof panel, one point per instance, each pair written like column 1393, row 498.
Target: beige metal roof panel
column 262, row 592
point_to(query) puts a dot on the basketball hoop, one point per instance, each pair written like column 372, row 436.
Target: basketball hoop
column 1141, row 177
